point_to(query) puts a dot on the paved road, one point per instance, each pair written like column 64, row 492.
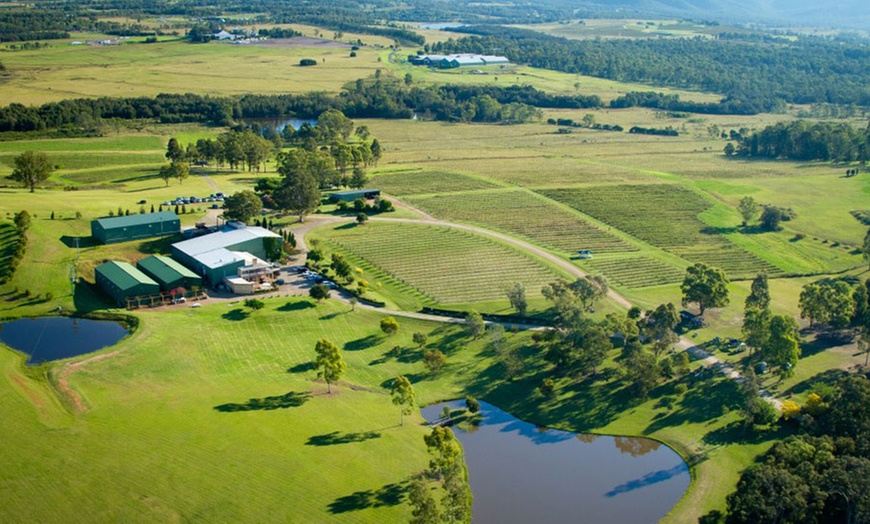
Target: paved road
column 684, row 343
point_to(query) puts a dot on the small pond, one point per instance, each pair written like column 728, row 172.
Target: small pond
column 521, row 473
column 278, row 124
column 55, row 338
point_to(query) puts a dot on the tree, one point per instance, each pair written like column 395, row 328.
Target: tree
column 319, row 292
column 358, row 179
column 730, row 150
column 865, row 248
column 180, row 170
column 420, row 339
column 166, row 174
column 827, row 303
column 706, row 286
column 31, row 168
column 783, row 349
column 516, row 295
column 174, row 151
column 341, row 266
column 756, row 327
column 748, row 208
column 771, row 218
column 759, row 292
column 768, row 494
column 660, row 325
column 642, row 372
column 389, row 325
column 22, row 221
column 329, row 364
column 254, row 303
column 434, row 360
column 403, row 395
column 594, row 347
column 362, row 218
column 299, row 194
column 474, row 324
column 376, row 151
column 425, row 509
column 446, row 450
column 332, row 125
column 242, row 206
column 589, row 290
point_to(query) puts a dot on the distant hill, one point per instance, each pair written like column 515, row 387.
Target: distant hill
column 838, row 13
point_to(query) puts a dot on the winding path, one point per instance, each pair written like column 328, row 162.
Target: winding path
column 684, row 343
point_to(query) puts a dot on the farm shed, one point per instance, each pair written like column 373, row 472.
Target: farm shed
column 134, row 227
column 169, row 273
column 457, row 60
column 122, row 281
column 350, row 196
column 222, row 254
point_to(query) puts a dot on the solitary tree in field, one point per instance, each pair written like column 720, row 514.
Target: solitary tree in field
column 866, row 247
column 319, row 292
column 174, row 151
column 403, row 395
column 706, row 286
column 420, row 339
column 330, row 365
column 474, row 324
column 389, row 325
column 748, row 208
column 31, row 168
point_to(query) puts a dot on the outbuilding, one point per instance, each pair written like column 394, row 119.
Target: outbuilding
column 350, row 196
column 122, row 281
column 135, row 227
column 168, row 273
column 222, row 254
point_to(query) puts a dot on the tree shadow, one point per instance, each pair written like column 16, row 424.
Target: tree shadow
column 362, row 343
column 704, row 401
column 334, row 315
column 736, row 432
column 334, row 438
column 158, row 246
column 413, row 378
column 824, row 341
column 236, row 315
column 830, row 376
column 388, row 495
column 302, row 368
column 296, row 306
column 81, row 242
column 287, row 400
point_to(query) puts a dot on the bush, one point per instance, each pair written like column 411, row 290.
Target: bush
column 306, row 62
column 472, row 404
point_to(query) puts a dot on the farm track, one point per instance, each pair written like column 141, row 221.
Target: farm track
column 684, row 343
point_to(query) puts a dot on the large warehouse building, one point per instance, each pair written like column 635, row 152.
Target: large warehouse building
column 135, row 227
column 168, row 273
column 223, row 254
column 123, row 281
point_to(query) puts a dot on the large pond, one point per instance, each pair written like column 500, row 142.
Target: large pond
column 521, row 473
column 55, row 338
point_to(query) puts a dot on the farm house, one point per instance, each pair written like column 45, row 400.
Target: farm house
column 350, row 196
column 122, row 281
column 225, row 253
column 135, row 227
column 168, row 273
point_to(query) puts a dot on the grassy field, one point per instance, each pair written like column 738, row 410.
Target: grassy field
column 213, row 414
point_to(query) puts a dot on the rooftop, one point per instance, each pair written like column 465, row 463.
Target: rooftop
column 124, row 275
column 136, row 220
column 221, row 240
column 165, row 268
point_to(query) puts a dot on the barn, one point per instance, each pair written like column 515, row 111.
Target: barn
column 223, row 254
column 353, row 194
column 168, row 273
column 135, row 227
column 122, row 281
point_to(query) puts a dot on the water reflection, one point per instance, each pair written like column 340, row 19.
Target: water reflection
column 54, row 338
column 522, row 473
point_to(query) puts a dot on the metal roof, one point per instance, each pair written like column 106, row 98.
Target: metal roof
column 165, row 269
column 123, row 275
column 221, row 240
column 219, row 257
column 136, row 220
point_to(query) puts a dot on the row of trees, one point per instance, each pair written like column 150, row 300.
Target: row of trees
column 719, row 66
column 803, row 140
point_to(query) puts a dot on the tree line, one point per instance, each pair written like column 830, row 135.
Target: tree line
column 803, row 140
column 791, row 73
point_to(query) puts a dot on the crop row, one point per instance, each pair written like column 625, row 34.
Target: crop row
column 521, row 213
column 638, row 271
column 422, row 182
column 666, row 216
column 447, row 265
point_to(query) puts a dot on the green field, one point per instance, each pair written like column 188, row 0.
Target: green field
column 524, row 214
column 444, row 265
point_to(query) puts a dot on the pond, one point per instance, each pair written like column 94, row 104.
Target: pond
column 55, row 338
column 278, row 124
column 521, row 473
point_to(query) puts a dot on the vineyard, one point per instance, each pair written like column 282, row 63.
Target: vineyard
column 637, row 271
column 666, row 216
column 521, row 213
column 421, row 182
column 445, row 264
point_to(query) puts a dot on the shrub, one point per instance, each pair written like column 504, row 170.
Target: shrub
column 306, row 62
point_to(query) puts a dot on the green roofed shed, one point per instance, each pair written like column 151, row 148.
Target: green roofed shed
column 135, row 227
column 169, row 273
column 122, row 281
